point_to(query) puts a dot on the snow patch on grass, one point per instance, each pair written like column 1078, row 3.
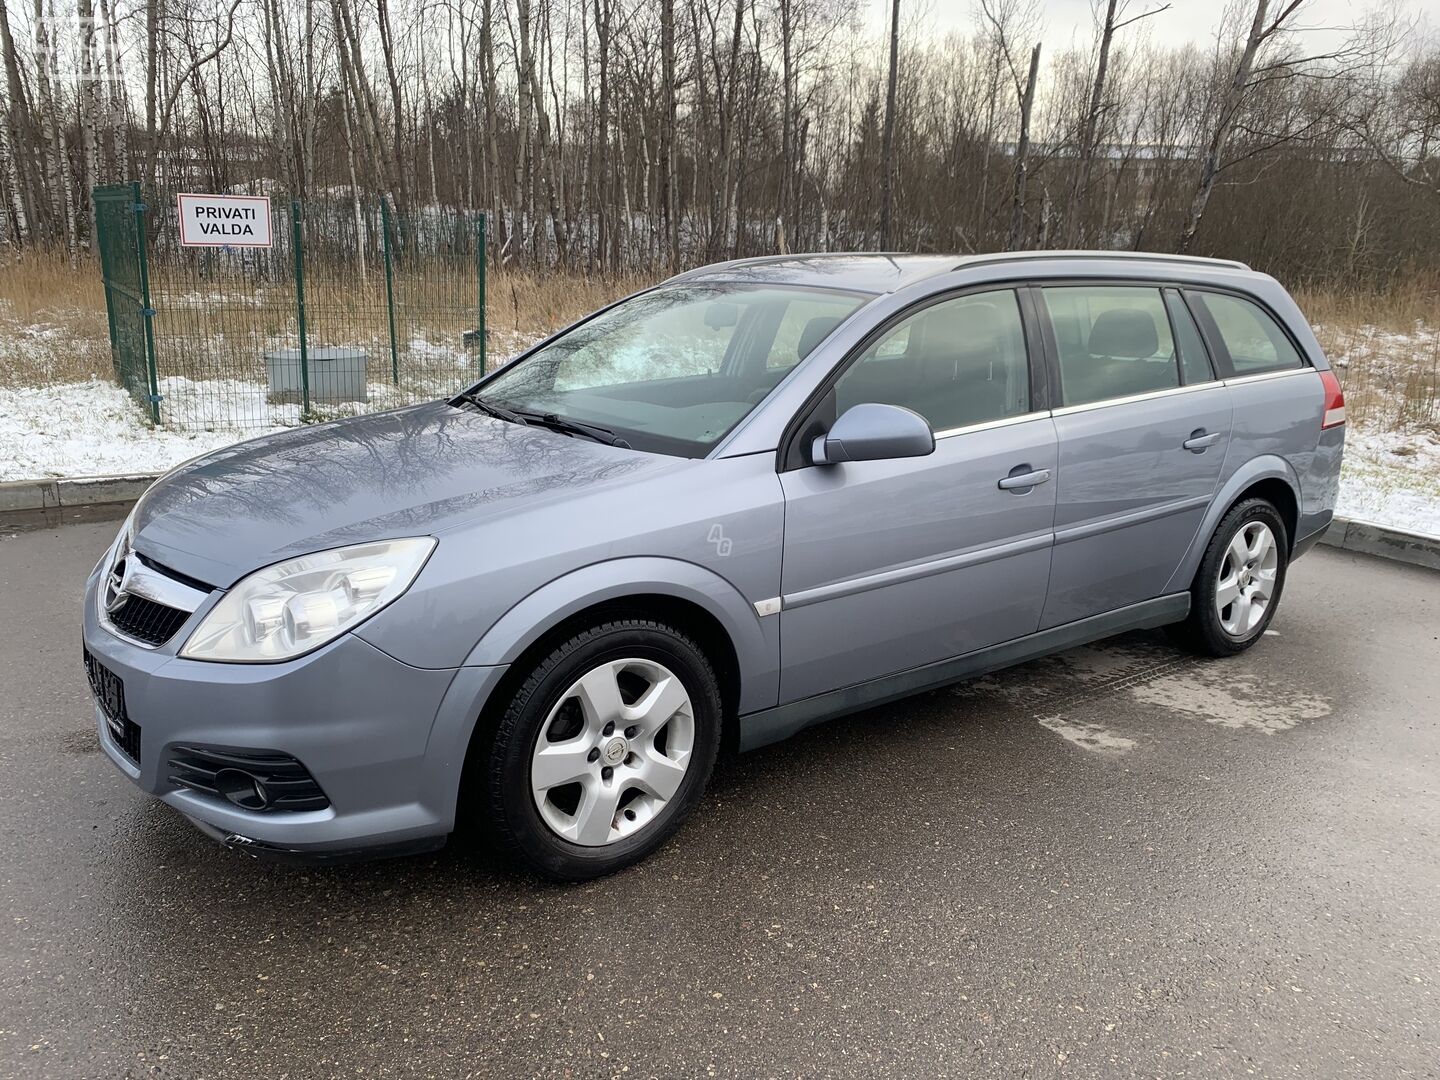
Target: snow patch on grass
column 94, row 428
column 91, row 429
column 1392, row 478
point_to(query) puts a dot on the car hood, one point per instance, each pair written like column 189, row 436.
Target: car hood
column 416, row 471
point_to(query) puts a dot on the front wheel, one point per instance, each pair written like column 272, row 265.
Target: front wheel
column 1238, row 584
column 605, row 747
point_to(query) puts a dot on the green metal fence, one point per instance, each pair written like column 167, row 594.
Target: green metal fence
column 356, row 307
column 120, row 219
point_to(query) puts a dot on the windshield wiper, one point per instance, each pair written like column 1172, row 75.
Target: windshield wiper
column 556, row 422
column 491, row 409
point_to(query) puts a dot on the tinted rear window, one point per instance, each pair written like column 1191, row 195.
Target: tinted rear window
column 1252, row 338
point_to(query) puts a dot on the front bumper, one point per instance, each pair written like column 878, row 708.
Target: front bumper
column 385, row 741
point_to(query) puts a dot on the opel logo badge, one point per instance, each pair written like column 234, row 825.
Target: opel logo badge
column 117, row 597
column 615, row 751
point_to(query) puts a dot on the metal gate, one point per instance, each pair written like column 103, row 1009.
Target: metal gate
column 120, row 232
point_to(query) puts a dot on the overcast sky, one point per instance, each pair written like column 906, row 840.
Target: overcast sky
column 1070, row 22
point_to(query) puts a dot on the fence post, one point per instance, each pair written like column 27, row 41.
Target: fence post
column 389, row 288
column 480, row 261
column 297, row 244
column 102, row 247
column 147, row 311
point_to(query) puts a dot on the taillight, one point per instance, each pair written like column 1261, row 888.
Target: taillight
column 1334, row 401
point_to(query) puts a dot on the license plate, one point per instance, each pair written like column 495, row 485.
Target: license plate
column 109, row 693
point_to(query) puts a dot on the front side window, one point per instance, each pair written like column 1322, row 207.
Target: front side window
column 1113, row 342
column 1252, row 338
column 956, row 363
column 674, row 369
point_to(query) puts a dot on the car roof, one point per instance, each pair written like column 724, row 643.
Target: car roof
column 883, row 272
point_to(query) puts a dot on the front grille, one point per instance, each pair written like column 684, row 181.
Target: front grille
column 145, row 620
column 277, row 782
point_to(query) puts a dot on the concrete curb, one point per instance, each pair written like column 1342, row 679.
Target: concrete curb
column 1371, row 539
column 76, row 491
column 1361, row 536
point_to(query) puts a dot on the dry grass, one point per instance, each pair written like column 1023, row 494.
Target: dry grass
column 1385, row 345
column 53, row 325
column 52, row 321
column 1397, row 308
column 524, row 301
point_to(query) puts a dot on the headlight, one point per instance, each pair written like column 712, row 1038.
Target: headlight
column 298, row 605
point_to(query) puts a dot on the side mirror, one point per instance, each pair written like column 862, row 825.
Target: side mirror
column 872, row 432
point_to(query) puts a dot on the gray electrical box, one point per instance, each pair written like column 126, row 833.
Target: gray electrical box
column 336, row 374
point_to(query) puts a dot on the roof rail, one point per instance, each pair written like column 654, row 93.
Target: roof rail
column 766, row 260
column 1135, row 256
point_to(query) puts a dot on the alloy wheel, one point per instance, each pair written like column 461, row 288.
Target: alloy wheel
column 1246, row 583
column 613, row 752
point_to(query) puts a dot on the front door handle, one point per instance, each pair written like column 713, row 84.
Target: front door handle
column 1199, row 441
column 1025, row 480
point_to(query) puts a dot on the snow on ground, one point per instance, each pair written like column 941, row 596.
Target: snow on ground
column 91, row 429
column 1393, row 479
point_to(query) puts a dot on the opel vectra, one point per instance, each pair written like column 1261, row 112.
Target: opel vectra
column 760, row 494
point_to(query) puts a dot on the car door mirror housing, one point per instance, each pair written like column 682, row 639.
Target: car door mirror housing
column 874, row 432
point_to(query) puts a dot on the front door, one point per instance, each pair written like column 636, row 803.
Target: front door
column 1143, row 427
column 890, row 565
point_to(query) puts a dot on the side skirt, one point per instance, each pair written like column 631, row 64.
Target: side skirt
column 771, row 725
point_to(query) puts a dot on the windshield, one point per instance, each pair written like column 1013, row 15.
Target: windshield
column 674, row 369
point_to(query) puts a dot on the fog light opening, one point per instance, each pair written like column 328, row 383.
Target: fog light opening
column 242, row 789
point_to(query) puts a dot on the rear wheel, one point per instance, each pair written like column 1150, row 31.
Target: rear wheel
column 606, row 746
column 1238, row 584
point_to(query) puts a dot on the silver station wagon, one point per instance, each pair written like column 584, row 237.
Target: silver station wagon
column 758, row 495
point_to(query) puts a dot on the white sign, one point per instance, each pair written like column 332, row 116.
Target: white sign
column 224, row 220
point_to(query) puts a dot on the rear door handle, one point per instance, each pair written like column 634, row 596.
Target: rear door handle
column 1198, row 440
column 1024, row 480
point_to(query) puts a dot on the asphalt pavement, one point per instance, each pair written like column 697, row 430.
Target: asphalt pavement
column 1115, row 862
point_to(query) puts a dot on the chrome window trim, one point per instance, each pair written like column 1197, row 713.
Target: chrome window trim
column 988, row 425
column 1266, row 376
column 1151, row 395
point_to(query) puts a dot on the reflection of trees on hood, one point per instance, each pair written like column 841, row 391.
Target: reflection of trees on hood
column 395, row 459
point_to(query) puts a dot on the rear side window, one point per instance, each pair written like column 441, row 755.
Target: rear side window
column 956, row 363
column 1194, row 360
column 1253, row 340
column 1112, row 341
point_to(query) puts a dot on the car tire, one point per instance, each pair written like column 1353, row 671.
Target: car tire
column 1244, row 564
column 649, row 766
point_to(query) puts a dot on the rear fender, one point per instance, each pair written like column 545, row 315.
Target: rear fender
column 1266, row 467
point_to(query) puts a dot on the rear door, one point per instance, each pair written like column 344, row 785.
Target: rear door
column 889, row 565
column 1143, row 427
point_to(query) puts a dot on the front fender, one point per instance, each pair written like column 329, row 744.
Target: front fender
column 756, row 640
column 1265, row 467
